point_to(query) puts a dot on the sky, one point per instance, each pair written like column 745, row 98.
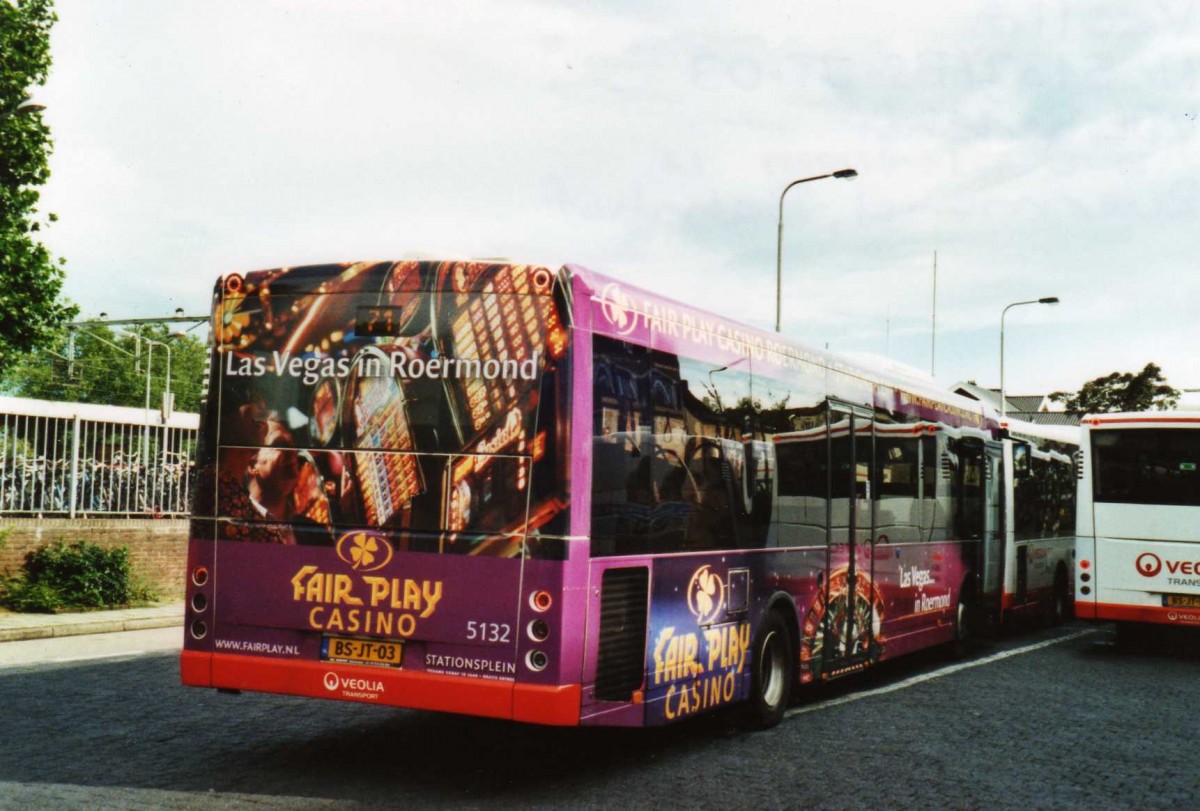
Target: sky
column 1035, row 148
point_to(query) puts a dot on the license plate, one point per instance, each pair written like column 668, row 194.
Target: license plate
column 1181, row 600
column 362, row 651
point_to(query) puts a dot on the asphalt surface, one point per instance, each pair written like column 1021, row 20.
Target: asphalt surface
column 1054, row 718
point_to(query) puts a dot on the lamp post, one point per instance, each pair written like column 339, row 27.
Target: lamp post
column 841, row 173
column 167, row 380
column 24, row 107
column 146, row 430
column 1004, row 312
column 75, row 439
column 169, row 397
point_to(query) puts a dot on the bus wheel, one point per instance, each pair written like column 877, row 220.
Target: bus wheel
column 962, row 624
column 1061, row 606
column 772, row 671
column 1128, row 636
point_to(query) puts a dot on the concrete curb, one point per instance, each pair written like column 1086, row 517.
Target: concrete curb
column 18, row 627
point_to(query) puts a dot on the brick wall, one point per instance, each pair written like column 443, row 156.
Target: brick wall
column 157, row 548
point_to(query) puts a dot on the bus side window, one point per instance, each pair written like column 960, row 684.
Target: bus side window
column 897, row 469
column 709, row 524
column 1065, row 497
column 929, row 467
column 1021, row 454
column 967, row 501
column 946, row 520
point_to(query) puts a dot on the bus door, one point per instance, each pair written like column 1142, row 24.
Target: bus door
column 993, row 535
column 853, row 602
column 971, row 514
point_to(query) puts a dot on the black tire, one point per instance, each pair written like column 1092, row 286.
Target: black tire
column 1129, row 636
column 772, row 673
column 963, row 624
column 1060, row 607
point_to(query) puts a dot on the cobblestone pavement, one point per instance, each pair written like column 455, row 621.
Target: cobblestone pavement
column 1074, row 725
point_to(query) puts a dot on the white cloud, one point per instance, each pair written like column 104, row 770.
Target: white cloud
column 1038, row 149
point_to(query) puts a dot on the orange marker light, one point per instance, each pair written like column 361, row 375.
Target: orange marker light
column 541, row 600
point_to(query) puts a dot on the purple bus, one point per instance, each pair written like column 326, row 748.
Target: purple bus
column 551, row 497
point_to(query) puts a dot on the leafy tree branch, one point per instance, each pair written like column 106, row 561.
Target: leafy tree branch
column 1146, row 390
column 31, row 309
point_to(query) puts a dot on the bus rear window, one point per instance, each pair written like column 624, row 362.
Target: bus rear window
column 419, row 400
column 1146, row 466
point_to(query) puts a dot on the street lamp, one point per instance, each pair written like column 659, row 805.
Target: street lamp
column 168, row 403
column 150, row 344
column 24, row 107
column 1046, row 300
column 840, row 173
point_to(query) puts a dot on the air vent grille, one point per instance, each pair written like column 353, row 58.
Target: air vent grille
column 624, row 594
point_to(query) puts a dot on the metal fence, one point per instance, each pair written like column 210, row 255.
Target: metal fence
column 78, row 459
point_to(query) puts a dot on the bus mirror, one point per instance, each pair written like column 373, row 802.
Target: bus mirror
column 1020, row 460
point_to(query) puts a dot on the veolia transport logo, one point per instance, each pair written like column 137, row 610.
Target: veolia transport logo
column 1148, row 564
column 618, row 308
column 705, row 595
column 364, row 551
column 331, row 681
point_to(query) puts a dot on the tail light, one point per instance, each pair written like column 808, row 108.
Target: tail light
column 541, row 601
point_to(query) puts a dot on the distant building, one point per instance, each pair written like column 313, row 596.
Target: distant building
column 1035, row 408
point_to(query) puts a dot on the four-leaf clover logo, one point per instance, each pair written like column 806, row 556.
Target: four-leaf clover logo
column 706, row 595
column 364, row 551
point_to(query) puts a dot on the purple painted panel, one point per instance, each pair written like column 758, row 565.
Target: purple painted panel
column 619, row 310
column 391, row 596
column 581, row 411
column 623, row 311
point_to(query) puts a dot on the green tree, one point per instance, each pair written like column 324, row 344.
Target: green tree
column 30, row 306
column 1121, row 391
column 92, row 364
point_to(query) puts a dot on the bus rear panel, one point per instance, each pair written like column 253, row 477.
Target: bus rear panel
column 381, row 498
column 1138, row 547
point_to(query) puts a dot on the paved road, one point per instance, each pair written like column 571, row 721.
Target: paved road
column 1026, row 724
column 86, row 647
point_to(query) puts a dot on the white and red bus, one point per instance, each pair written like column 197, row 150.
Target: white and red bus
column 552, row 497
column 1039, row 509
column 1138, row 544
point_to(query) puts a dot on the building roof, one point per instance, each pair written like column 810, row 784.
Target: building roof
column 1027, row 407
column 1045, row 417
column 1028, row 402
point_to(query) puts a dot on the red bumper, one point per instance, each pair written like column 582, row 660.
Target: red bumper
column 557, row 705
column 1110, row 612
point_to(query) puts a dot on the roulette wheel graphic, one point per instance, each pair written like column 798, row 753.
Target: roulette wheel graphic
column 840, row 631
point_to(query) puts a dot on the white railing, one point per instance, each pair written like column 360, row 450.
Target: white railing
column 80, row 460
